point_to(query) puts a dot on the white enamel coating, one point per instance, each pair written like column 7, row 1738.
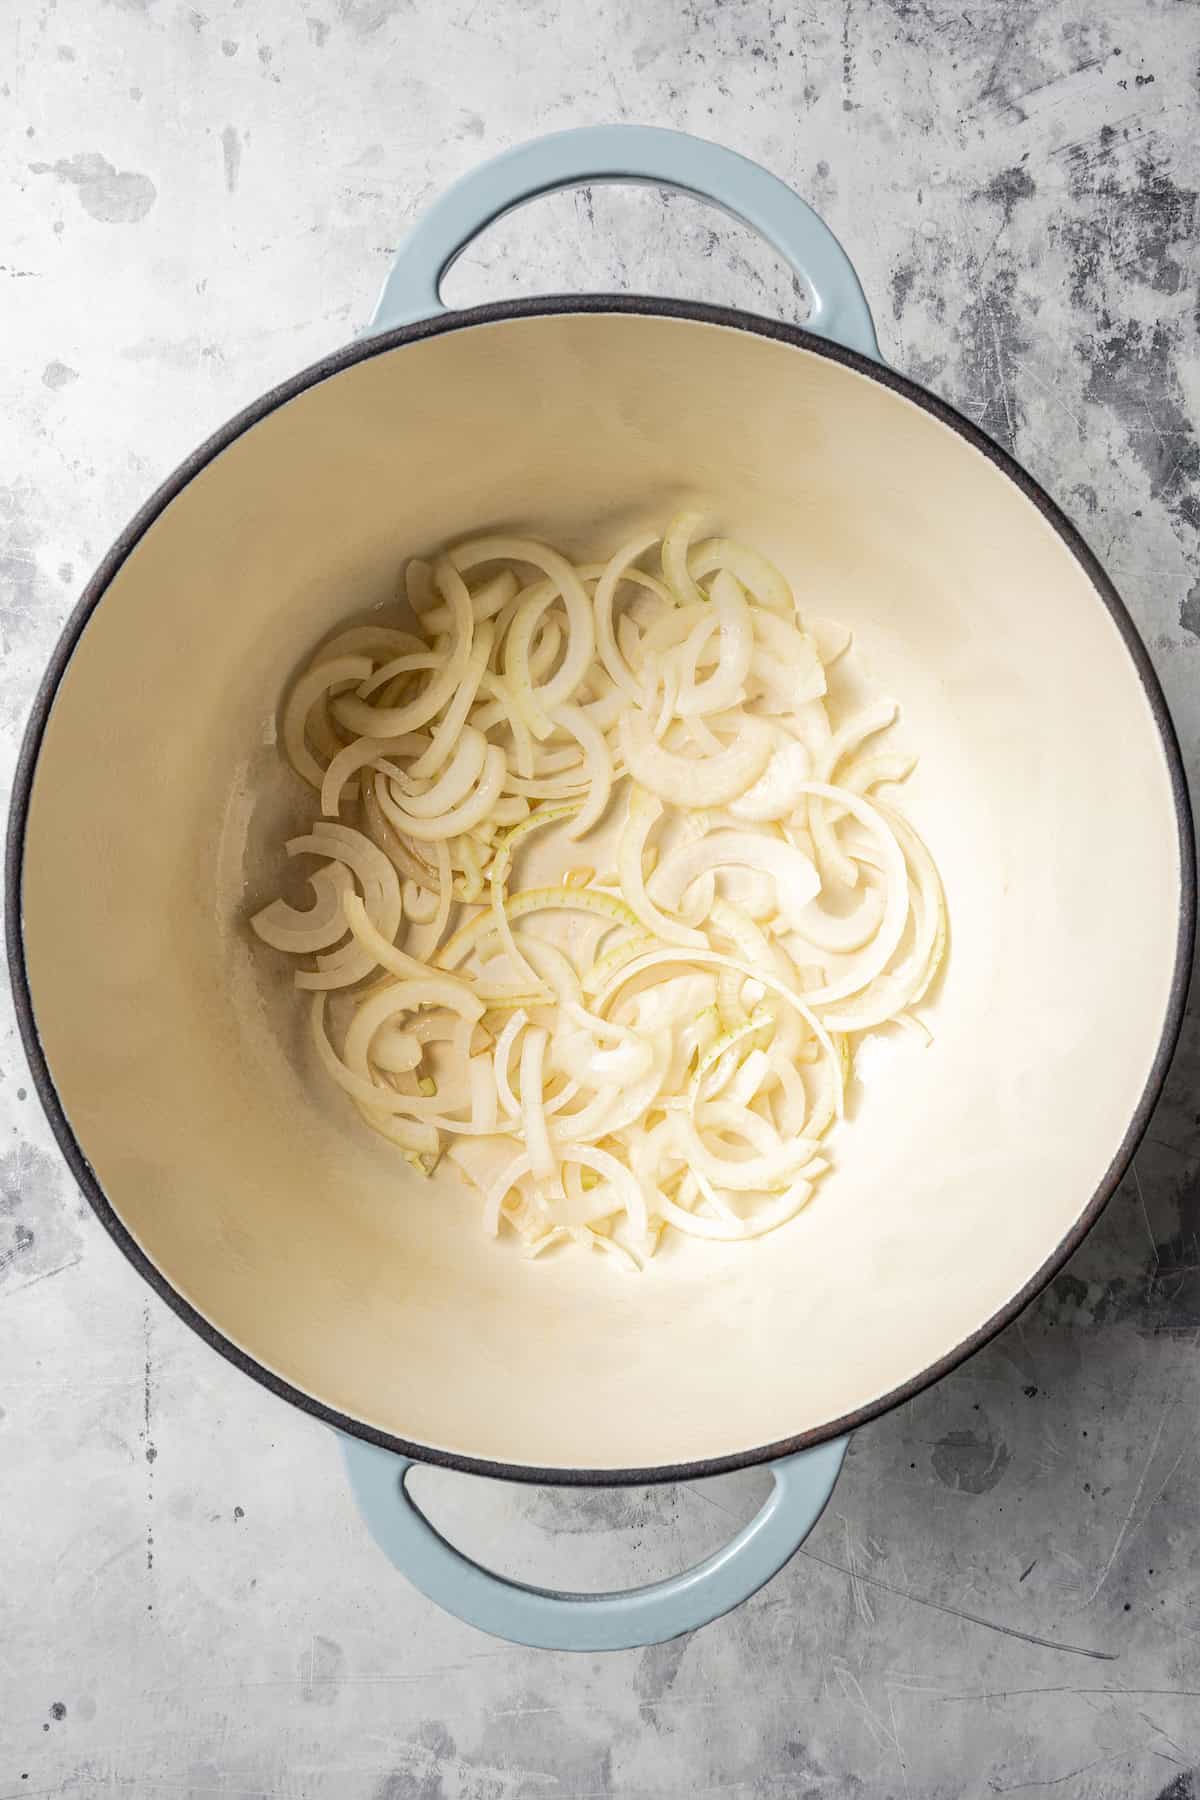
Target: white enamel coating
column 177, row 1046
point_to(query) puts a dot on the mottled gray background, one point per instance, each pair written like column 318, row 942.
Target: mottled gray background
column 1005, row 1593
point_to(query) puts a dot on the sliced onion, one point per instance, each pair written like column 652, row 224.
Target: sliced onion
column 460, row 818
column 675, row 562
column 753, row 571
column 312, row 686
column 542, row 1162
column 365, row 858
column 406, row 996
column 701, row 780
column 505, row 708
column 770, row 1217
column 892, row 992
column 604, row 906
column 791, row 1108
column 627, row 943
column 552, row 966
column 369, row 1094
column 629, row 643
column 720, row 1048
column 832, row 638
column 714, row 959
column 489, row 598
column 597, row 761
column 500, row 1062
column 284, row 928
column 402, row 856
column 358, row 755
column 619, row 1178
column 614, row 1108
column 624, row 1062
column 441, row 917
column 395, row 1051
column 786, row 662
column 420, row 903
column 455, row 782
column 873, row 771
column 570, row 786
column 864, row 725
column 723, row 688
column 674, row 628
column 449, row 726
column 820, row 818
column 895, row 912
column 644, row 811
column 502, row 865
column 839, row 933
column 695, row 1083
column 500, row 1189
column 483, row 1095
column 581, row 644
column 381, row 891
column 776, row 793
column 373, row 721
column 400, row 665
column 796, row 879
column 616, row 571
column 418, row 585
column 378, row 642
column 547, row 642
column 748, row 1080
column 381, row 952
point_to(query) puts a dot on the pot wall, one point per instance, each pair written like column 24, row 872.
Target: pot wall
column 177, row 1046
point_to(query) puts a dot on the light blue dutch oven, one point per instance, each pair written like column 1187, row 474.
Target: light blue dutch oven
column 967, row 1175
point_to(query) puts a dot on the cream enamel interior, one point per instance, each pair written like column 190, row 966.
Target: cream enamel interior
column 177, row 1047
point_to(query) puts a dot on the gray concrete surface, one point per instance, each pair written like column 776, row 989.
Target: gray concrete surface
column 1005, row 1593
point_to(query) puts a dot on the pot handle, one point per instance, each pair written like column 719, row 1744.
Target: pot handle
column 624, row 1621
column 629, row 153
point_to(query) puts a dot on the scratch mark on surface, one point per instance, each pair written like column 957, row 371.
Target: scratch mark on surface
column 1048, row 391
column 238, row 1687
column 1066, row 1688
column 322, row 1670
column 852, row 1688
column 709, row 1501
column 1158, row 1730
column 114, row 1556
column 40, row 1793
column 695, row 1793
column 163, row 1783
column 681, row 1702
column 1133, row 1504
column 46, row 1275
column 896, row 1736
column 1002, row 378
column 1137, row 1182
column 957, row 1612
column 1154, row 424
column 1056, row 1780
column 861, row 1604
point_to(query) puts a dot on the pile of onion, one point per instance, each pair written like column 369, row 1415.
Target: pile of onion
column 656, row 1038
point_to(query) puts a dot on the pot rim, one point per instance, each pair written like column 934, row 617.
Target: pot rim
column 362, row 350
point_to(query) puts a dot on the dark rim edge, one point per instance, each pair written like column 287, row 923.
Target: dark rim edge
column 360, row 351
